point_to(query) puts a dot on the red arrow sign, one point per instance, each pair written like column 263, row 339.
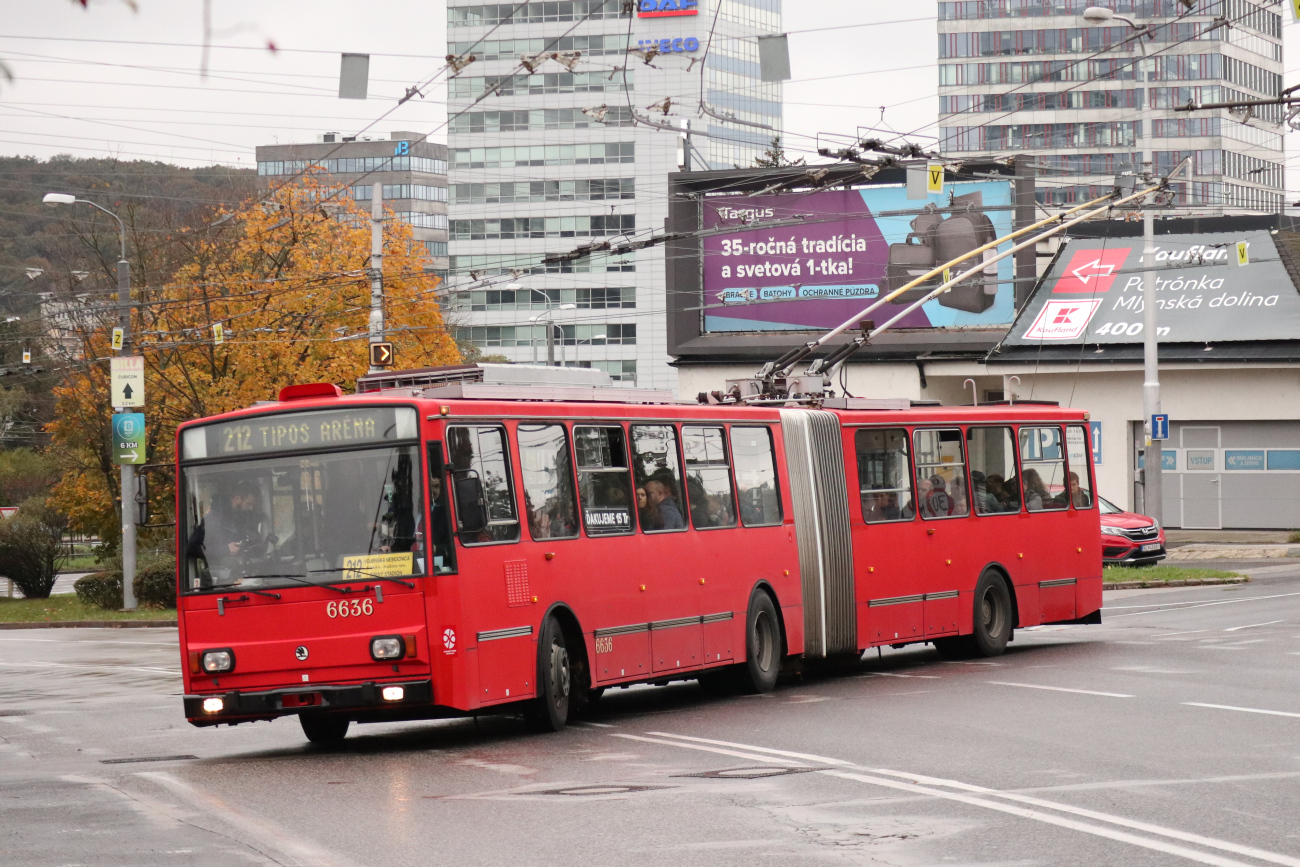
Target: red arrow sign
column 1091, row 271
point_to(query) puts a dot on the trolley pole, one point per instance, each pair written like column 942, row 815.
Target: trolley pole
column 376, row 269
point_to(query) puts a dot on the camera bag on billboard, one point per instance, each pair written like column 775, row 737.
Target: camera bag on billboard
column 964, row 231
column 909, row 260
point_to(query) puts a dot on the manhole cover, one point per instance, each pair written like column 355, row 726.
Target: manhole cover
column 595, row 790
column 145, row 759
column 747, row 773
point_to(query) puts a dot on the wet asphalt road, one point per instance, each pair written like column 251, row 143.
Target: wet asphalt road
column 1168, row 735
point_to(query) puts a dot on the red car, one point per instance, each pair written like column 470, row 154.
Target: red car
column 1129, row 539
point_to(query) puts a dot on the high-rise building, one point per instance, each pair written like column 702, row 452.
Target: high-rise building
column 1021, row 76
column 412, row 172
column 546, row 156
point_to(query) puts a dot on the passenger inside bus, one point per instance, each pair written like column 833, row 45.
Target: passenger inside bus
column 1036, row 496
column 1078, row 496
column 664, row 510
column 235, row 529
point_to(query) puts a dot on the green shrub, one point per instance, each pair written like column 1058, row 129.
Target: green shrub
column 103, row 589
column 31, row 548
column 155, row 585
column 1294, row 537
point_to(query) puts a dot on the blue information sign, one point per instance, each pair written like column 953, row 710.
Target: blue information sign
column 1096, row 442
column 1168, row 461
column 128, row 438
column 1160, row 426
column 1243, row 459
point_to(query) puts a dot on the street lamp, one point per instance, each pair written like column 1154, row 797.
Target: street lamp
column 1152, row 481
column 124, row 317
column 550, row 333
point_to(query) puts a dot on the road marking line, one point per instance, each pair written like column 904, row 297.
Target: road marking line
column 1171, row 634
column 964, row 788
column 77, row 642
column 1252, row 625
column 751, row 756
column 1167, row 606
column 1242, row 709
column 295, row 849
column 1060, row 689
column 1046, row 818
column 83, row 665
column 807, row 756
column 892, row 674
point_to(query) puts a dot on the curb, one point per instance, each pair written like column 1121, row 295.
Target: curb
column 92, row 624
column 1186, row 582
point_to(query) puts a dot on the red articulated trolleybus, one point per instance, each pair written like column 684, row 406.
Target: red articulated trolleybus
column 487, row 538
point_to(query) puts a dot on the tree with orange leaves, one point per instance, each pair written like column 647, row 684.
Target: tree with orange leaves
column 277, row 294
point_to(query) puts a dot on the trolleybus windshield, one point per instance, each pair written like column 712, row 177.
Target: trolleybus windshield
column 323, row 517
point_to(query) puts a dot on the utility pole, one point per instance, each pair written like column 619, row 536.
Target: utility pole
column 376, row 268
column 128, row 470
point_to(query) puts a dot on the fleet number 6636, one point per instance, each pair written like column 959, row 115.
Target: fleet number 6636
column 350, row 608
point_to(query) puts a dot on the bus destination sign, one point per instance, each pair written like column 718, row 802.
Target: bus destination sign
column 300, row 430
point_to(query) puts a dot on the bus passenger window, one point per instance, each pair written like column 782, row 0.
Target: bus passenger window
column 1079, row 480
column 604, row 485
column 992, row 455
column 756, row 483
column 1042, row 467
column 479, row 452
column 549, row 499
column 658, row 472
column 884, row 481
column 708, row 479
column 940, row 474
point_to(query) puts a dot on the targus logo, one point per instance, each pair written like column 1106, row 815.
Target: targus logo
column 666, row 8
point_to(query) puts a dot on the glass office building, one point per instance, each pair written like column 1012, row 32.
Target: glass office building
column 548, row 158
column 1028, row 76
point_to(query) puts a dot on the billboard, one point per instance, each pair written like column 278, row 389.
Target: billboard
column 1093, row 293
column 848, row 247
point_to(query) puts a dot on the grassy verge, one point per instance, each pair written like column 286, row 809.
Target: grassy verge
column 69, row 608
column 81, row 563
column 1114, row 574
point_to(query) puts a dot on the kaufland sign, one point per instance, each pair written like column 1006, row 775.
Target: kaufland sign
column 1093, row 293
column 666, row 8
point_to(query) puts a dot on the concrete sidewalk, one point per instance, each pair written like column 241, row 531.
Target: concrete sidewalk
column 1230, row 545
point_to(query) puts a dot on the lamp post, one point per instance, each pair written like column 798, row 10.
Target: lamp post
column 550, row 333
column 124, row 317
column 1152, row 481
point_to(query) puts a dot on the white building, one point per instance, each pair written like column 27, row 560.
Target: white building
column 1028, row 76
column 553, row 160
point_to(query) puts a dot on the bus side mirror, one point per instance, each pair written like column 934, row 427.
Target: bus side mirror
column 141, row 499
column 471, row 505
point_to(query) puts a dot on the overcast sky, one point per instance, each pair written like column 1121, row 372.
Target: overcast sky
column 141, row 94
column 128, row 97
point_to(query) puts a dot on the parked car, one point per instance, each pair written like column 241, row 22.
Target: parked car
column 1129, row 539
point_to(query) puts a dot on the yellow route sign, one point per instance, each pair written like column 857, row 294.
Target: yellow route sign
column 934, row 175
column 1243, row 247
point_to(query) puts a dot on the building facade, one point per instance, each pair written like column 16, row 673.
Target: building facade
column 547, row 155
column 412, row 172
column 1029, row 76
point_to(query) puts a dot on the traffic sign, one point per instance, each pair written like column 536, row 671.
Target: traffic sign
column 128, row 380
column 934, row 177
column 1096, row 441
column 1243, row 253
column 118, row 334
column 381, row 355
column 128, row 438
column 1160, row 426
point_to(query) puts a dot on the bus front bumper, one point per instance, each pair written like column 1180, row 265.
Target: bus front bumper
column 361, row 698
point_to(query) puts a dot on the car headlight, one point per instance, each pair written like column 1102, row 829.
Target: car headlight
column 218, row 661
column 1155, row 525
column 1111, row 531
column 387, row 647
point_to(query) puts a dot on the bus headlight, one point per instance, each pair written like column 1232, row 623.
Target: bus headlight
column 213, row 705
column 218, row 661
column 387, row 647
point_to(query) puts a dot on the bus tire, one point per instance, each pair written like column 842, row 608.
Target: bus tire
column 762, row 663
column 993, row 615
column 549, row 712
column 324, row 730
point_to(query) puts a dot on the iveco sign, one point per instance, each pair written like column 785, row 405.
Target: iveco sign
column 666, row 8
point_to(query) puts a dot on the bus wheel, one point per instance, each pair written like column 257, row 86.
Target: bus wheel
column 550, row 710
column 762, row 646
column 323, row 729
column 992, row 615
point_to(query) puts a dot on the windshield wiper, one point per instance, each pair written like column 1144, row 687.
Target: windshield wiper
column 369, row 575
column 301, row 579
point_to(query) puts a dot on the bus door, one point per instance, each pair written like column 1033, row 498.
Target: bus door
column 633, row 587
column 495, row 630
column 890, row 602
column 1050, row 545
column 947, row 556
column 996, row 500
